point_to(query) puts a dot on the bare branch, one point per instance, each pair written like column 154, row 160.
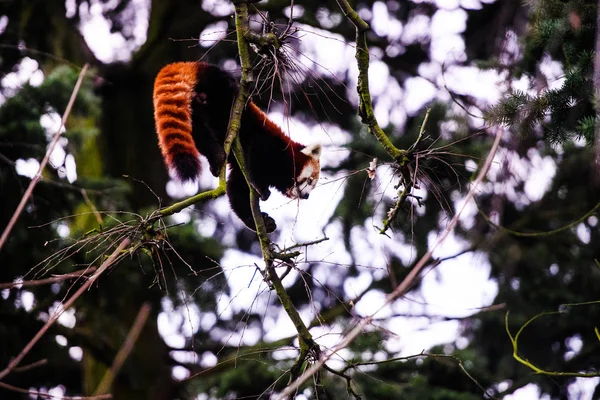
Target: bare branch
column 52, row 319
column 33, row 365
column 132, row 337
column 54, row 279
column 51, row 396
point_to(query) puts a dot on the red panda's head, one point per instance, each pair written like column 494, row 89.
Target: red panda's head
column 308, row 175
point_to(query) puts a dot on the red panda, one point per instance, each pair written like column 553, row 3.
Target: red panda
column 192, row 104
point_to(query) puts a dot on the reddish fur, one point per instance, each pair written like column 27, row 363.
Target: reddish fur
column 294, row 148
column 269, row 126
column 173, row 93
column 275, row 139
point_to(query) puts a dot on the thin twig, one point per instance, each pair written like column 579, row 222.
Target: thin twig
column 91, row 206
column 38, row 175
column 126, row 347
column 33, row 365
column 54, row 279
column 514, row 339
column 109, row 261
column 404, row 285
column 433, row 356
column 51, row 396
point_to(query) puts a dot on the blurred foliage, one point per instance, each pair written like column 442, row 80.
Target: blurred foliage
column 120, row 173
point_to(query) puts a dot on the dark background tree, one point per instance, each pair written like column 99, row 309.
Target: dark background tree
column 111, row 136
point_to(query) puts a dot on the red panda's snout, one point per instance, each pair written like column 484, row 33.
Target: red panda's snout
column 308, row 176
column 301, row 190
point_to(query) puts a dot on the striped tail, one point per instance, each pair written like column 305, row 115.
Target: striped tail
column 173, row 94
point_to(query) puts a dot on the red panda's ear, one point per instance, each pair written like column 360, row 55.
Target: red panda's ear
column 313, row 150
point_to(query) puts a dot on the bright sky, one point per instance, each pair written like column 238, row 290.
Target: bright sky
column 456, row 288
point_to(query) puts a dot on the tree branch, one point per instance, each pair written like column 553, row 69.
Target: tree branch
column 307, row 344
column 138, row 324
column 54, row 279
column 51, row 396
column 365, row 107
column 116, row 254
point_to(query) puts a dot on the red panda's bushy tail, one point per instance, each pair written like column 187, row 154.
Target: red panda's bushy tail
column 173, row 96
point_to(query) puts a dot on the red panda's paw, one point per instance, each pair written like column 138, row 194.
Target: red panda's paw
column 269, row 223
column 216, row 162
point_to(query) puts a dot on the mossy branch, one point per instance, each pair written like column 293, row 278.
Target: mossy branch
column 307, row 344
column 365, row 107
column 406, row 177
column 393, row 212
column 204, row 196
column 515, row 339
column 367, row 114
column 242, row 28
